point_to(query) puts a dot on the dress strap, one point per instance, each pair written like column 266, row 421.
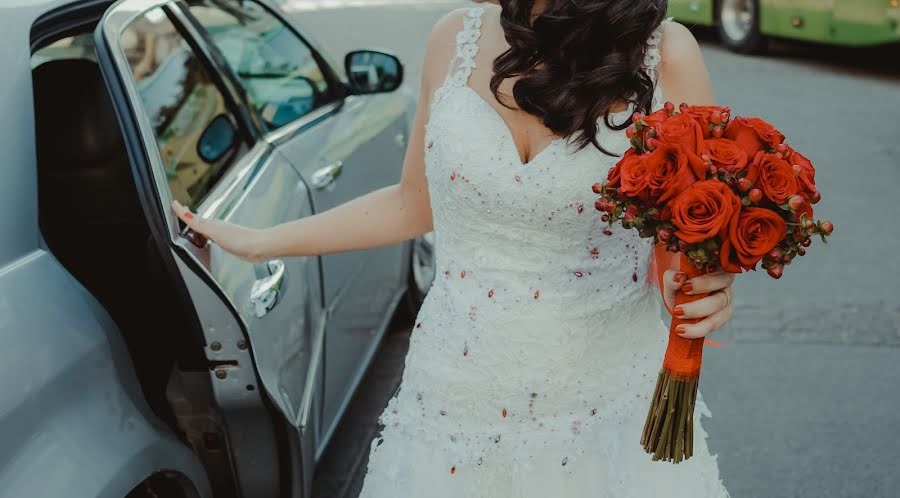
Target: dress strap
column 652, row 59
column 463, row 63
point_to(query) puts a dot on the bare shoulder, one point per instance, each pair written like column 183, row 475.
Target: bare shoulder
column 441, row 47
column 683, row 73
column 448, row 25
column 678, row 45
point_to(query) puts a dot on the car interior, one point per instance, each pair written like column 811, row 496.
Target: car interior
column 92, row 220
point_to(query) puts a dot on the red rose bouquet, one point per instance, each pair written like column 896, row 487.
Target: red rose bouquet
column 721, row 194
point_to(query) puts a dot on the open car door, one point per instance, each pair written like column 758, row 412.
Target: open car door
column 263, row 324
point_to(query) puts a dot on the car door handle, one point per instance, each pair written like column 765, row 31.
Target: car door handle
column 326, row 175
column 264, row 293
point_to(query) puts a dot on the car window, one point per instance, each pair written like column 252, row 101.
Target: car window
column 196, row 133
column 80, row 46
column 278, row 70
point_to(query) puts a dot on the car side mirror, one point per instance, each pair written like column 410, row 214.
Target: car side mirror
column 217, row 139
column 371, row 71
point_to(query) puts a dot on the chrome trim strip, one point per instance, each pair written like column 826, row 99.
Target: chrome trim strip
column 243, row 172
column 288, row 131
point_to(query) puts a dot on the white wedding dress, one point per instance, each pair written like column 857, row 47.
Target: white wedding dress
column 533, row 358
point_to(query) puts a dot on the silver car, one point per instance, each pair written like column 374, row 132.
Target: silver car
column 138, row 360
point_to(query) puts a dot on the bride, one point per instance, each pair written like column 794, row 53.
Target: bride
column 532, row 359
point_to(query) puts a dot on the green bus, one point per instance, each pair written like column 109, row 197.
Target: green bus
column 744, row 24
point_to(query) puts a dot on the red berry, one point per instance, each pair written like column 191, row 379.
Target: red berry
column 781, row 148
column 682, row 246
column 775, row 254
column 637, row 117
column 755, row 195
column 604, row 218
column 796, row 202
column 786, row 258
column 718, row 131
column 628, row 218
column 815, row 197
column 664, row 235
column 806, row 242
column 600, row 205
column 801, row 251
column 776, row 271
column 504, row 412
column 713, row 170
column 827, row 227
column 744, row 184
column 698, row 261
column 716, row 117
column 670, row 107
column 597, row 188
column 630, row 132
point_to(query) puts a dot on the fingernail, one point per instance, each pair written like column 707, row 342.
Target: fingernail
column 679, row 277
column 680, row 329
column 679, row 311
column 189, row 216
column 688, row 287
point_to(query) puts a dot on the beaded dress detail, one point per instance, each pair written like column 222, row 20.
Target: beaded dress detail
column 534, row 355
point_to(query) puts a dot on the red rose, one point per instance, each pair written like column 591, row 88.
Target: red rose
column 755, row 232
column 650, row 122
column 807, row 174
column 657, row 117
column 681, row 130
column 774, row 176
column 614, row 177
column 726, row 155
column 633, row 175
column 753, row 134
column 670, row 171
column 704, row 210
column 703, row 115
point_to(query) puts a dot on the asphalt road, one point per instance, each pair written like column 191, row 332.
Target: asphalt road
column 804, row 397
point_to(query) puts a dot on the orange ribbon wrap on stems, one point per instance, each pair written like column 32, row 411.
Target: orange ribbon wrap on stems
column 669, row 429
column 684, row 356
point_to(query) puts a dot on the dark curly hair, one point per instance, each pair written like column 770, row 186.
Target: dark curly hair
column 577, row 60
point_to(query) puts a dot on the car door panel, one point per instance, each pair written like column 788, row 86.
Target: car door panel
column 342, row 147
column 271, row 194
column 366, row 136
